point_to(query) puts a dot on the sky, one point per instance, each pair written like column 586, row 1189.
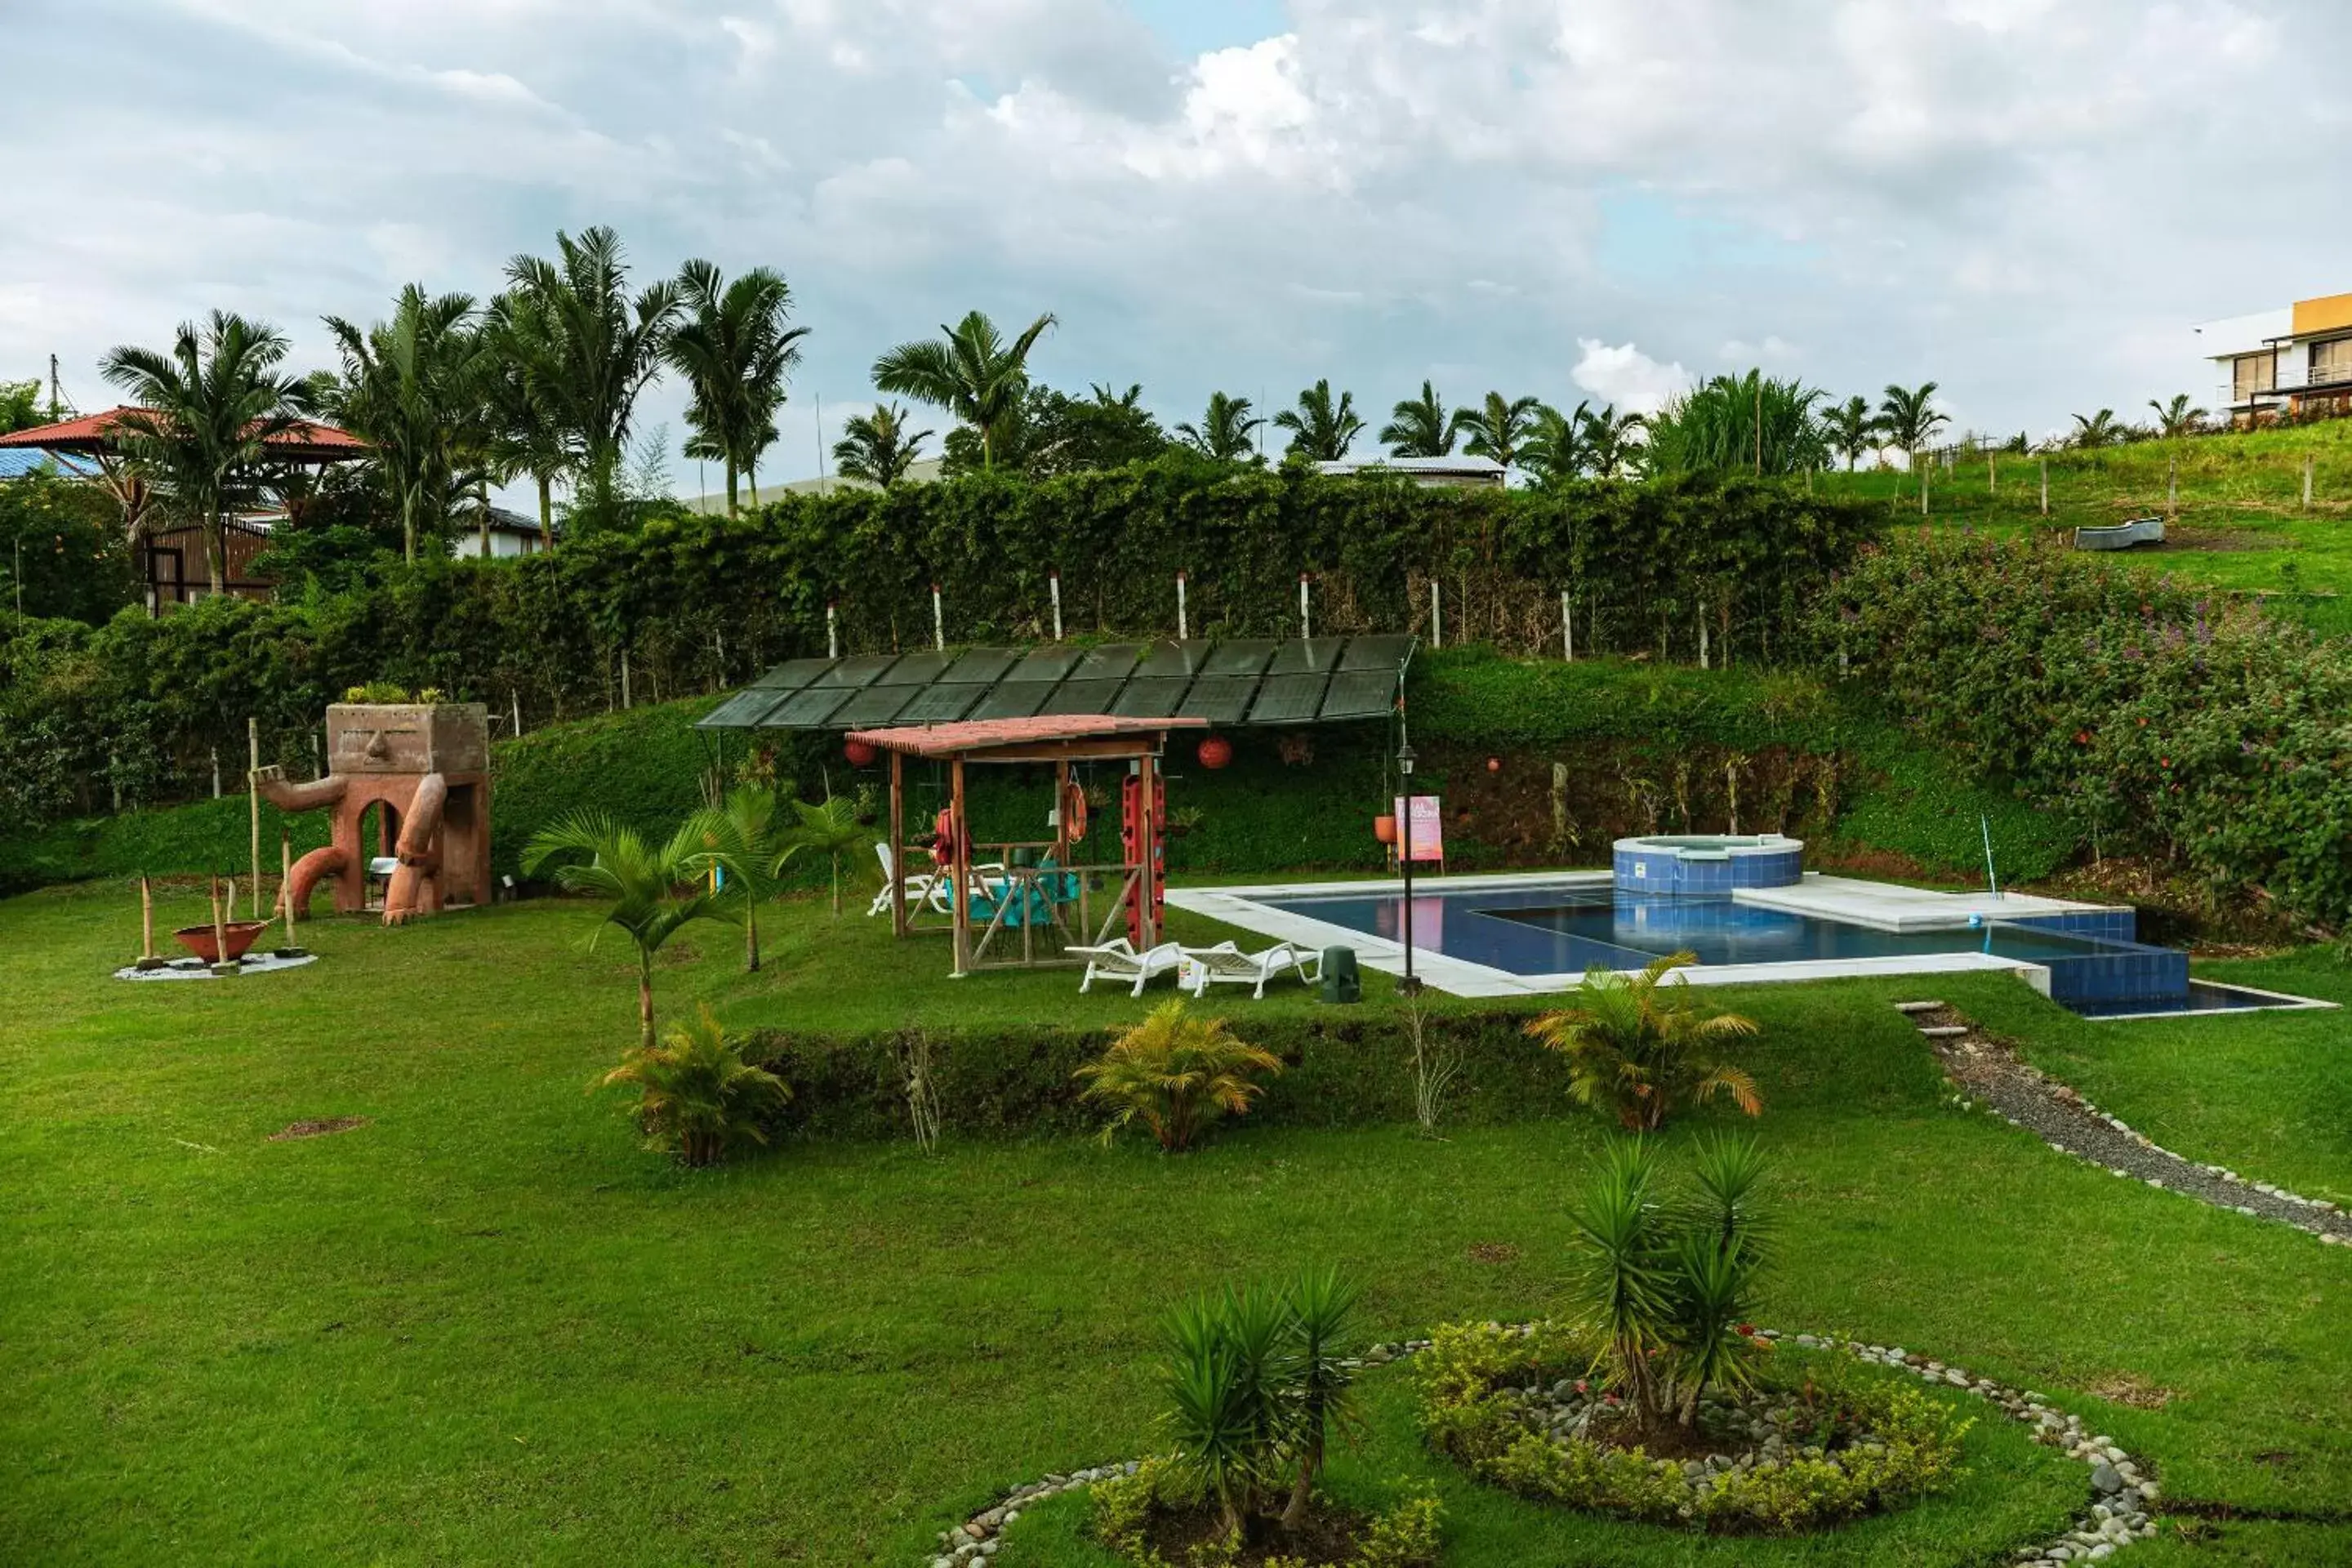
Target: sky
column 2029, row 202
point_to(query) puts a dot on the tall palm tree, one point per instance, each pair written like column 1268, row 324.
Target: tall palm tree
column 409, row 387
column 734, row 350
column 1321, row 430
column 2177, row 417
column 2100, row 430
column 522, row 396
column 1910, row 418
column 877, row 447
column 971, row 372
column 1497, row 428
column 1225, row 430
column 206, row 410
column 1418, row 426
column 606, row 346
column 642, row 880
column 1608, row 445
column 1852, row 428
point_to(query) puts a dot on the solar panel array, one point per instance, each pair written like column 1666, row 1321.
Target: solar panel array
column 1253, row 681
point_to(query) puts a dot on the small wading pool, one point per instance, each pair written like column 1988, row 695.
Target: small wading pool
column 1555, row 931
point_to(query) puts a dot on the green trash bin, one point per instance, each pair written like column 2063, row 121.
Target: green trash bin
column 1341, row 980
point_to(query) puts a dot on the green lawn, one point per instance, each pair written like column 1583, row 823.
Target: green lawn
column 485, row 1327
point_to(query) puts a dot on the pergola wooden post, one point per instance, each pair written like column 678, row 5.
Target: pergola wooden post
column 897, row 845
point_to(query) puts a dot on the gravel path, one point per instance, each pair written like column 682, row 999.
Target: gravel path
column 1987, row 1069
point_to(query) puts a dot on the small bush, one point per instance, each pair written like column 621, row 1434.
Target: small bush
column 696, row 1095
column 1640, row 1047
column 1176, row 1074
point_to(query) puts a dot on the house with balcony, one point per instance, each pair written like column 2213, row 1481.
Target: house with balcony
column 2294, row 361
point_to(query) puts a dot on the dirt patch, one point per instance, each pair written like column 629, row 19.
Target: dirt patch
column 2210, row 539
column 2130, row 1388
column 1327, row 1535
column 1493, row 1252
column 317, row 1129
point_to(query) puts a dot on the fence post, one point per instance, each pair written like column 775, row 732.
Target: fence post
column 624, row 679
column 253, row 807
column 216, row 773
column 1925, row 469
column 1567, row 630
column 939, row 622
column 1306, row 616
column 1054, row 581
column 2045, row 487
column 514, row 701
column 1183, row 627
column 1436, row 625
column 2306, row 481
column 831, row 631
column 2172, row 488
column 1992, row 475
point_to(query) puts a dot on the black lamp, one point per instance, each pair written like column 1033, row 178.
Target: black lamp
column 1411, row 984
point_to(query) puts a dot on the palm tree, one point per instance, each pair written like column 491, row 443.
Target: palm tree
column 206, row 413
column 830, row 830
column 1418, row 428
column 739, row 836
column 1321, row 430
column 1853, row 429
column 1608, row 445
column 521, row 390
column 643, row 880
column 2177, row 417
column 971, row 372
column 1910, row 418
column 1555, row 449
column 1636, row 1046
column 2099, row 430
column 409, row 387
column 877, row 446
column 1225, row 431
column 1498, row 426
column 734, row 350
column 607, row 347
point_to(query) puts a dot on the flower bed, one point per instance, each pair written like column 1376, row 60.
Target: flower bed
column 1800, row 1449
column 1146, row 1517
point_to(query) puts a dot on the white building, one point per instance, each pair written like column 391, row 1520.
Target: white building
column 510, row 535
column 2285, row 359
column 1442, row 473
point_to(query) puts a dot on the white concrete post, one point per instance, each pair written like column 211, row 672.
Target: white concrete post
column 939, row 622
column 1567, row 630
column 2045, row 487
column 1305, row 617
column 1436, row 625
column 1183, row 628
column 831, row 631
column 1054, row 581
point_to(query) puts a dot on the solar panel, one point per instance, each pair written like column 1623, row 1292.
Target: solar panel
column 857, row 669
column 805, row 710
column 1014, row 699
column 1173, row 661
column 742, row 710
column 1359, row 694
column 939, row 704
column 1083, row 697
column 793, row 674
column 1112, row 660
column 874, row 707
column 1302, row 655
column 1245, row 656
column 1148, row 699
column 921, row 668
column 1289, row 700
column 1046, row 664
column 1218, row 701
column 982, row 664
column 1385, row 652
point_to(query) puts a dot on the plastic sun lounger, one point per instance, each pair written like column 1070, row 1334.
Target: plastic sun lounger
column 1118, row 959
column 1201, row 967
column 929, row 887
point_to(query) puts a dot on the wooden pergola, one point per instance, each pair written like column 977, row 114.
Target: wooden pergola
column 1031, row 898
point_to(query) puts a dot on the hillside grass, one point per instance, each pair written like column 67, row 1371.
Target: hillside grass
column 485, row 1326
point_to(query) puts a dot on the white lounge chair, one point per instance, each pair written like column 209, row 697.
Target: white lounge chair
column 1199, row 967
column 1118, row 959
column 932, row 888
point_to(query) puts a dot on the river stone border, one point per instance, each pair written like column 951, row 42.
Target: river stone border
column 2122, row 1492
column 1988, row 1070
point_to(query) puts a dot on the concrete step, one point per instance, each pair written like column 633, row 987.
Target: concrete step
column 1943, row 1031
column 1917, row 1006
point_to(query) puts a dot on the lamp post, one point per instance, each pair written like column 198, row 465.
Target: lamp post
column 1411, row 984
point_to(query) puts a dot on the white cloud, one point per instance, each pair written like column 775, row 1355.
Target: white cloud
column 1624, row 376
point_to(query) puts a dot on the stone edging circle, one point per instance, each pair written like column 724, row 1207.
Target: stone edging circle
column 2122, row 1492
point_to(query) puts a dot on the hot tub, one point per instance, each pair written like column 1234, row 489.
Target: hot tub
column 1711, row 863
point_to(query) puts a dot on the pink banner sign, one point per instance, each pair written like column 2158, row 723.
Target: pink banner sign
column 1428, row 827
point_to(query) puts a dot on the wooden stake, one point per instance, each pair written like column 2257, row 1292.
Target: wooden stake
column 2045, row 487
column 2306, row 481
column 253, row 808
column 146, row 918
column 286, row 882
column 220, row 928
column 2172, row 488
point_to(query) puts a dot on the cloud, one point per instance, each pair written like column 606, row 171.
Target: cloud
column 1626, row 376
column 2024, row 200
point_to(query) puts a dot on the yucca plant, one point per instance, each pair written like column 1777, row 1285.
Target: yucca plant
column 1322, row 1372
column 696, row 1094
column 1231, row 1411
column 1621, row 1280
column 1176, row 1074
column 1640, row 1047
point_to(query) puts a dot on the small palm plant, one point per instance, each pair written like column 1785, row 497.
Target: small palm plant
column 831, row 829
column 696, row 1094
column 643, row 880
column 2178, row 417
column 1176, row 1074
column 1640, row 1045
column 741, row 837
column 1322, row 1373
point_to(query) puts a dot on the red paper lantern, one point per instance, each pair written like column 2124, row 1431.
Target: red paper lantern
column 1215, row 752
column 860, row 753
column 1493, row 764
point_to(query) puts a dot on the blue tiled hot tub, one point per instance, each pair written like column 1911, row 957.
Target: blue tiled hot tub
column 1708, row 865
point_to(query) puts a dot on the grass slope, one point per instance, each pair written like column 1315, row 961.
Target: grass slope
column 485, row 1327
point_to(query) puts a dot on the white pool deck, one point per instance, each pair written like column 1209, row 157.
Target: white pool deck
column 1877, row 904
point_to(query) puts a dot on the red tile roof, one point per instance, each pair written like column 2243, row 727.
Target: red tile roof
column 983, row 734
column 94, row 433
